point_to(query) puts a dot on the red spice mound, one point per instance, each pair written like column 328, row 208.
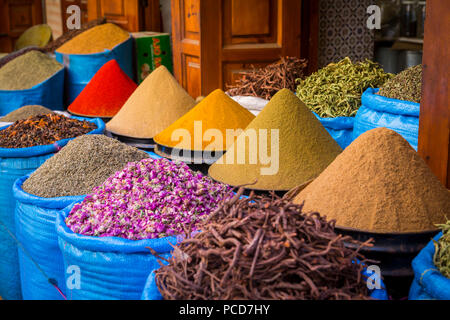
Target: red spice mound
column 105, row 94
column 42, row 130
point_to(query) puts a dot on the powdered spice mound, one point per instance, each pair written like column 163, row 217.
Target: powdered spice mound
column 81, row 165
column 105, row 93
column 154, row 105
column 379, row 184
column 94, row 40
column 43, row 130
column 28, row 70
column 303, row 150
column 216, row 111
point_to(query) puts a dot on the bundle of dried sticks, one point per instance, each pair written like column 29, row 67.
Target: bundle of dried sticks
column 264, row 247
column 267, row 81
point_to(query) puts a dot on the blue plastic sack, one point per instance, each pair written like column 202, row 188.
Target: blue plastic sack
column 109, row 267
column 340, row 128
column 48, row 93
column 151, row 291
column 428, row 283
column 80, row 68
column 378, row 111
column 16, row 163
column 35, row 229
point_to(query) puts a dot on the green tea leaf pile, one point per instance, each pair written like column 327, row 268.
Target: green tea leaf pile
column 442, row 250
column 336, row 89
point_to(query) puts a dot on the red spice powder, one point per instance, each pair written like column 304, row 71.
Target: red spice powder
column 105, row 94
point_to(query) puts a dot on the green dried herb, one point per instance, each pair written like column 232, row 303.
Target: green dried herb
column 407, row 85
column 28, row 70
column 335, row 90
column 442, row 250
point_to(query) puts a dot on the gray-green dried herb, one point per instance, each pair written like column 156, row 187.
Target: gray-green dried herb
column 27, row 70
column 407, row 85
column 336, row 89
column 84, row 163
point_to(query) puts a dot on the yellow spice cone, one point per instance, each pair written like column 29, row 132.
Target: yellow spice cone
column 217, row 112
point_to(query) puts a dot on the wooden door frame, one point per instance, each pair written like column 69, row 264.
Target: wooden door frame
column 434, row 120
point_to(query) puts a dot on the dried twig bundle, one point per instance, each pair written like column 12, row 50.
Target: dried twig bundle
column 264, row 248
column 267, row 81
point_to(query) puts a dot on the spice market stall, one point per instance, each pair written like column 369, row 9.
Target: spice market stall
column 286, row 181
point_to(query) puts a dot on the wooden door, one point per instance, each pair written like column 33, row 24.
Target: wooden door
column 434, row 121
column 132, row 15
column 214, row 41
column 16, row 16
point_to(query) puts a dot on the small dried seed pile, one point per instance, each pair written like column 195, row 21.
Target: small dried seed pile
column 407, row 85
column 265, row 82
column 43, row 130
column 83, row 164
column 25, row 112
column 263, row 248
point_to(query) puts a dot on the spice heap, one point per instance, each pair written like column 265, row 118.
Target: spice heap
column 81, row 165
column 264, row 248
column 43, row 130
column 154, row 105
column 442, row 250
column 336, row 89
column 105, row 93
column 299, row 146
column 266, row 82
column 95, row 40
column 147, row 199
column 27, row 70
column 9, row 57
column 52, row 46
column 407, row 85
column 379, row 184
column 217, row 111
column 24, row 113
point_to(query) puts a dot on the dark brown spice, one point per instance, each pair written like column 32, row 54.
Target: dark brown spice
column 263, row 247
column 42, row 130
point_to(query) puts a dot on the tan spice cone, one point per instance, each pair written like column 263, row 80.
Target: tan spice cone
column 305, row 147
column 379, row 184
column 155, row 104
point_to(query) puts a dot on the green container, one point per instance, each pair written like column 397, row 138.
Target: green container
column 152, row 49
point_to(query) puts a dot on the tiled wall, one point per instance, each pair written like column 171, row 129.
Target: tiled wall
column 343, row 31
